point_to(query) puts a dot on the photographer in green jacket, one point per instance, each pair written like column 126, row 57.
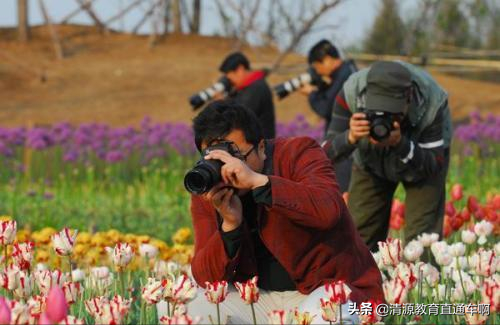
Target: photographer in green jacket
column 395, row 120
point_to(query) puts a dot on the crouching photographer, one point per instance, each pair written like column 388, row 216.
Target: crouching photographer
column 395, row 120
column 253, row 198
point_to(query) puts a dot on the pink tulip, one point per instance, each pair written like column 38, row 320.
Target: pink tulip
column 457, row 192
column 216, row 292
column 338, row 292
column 57, row 307
column 249, row 291
column 45, row 320
column 4, row 312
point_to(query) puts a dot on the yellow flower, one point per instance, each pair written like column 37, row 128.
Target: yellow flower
column 42, row 256
column 113, row 235
column 143, row 239
column 80, row 249
column 5, row 218
column 130, row 238
column 83, row 238
column 93, row 257
column 181, row 236
column 98, row 240
column 23, row 235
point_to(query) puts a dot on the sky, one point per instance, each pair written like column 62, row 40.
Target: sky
column 353, row 18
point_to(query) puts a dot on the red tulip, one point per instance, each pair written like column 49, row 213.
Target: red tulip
column 396, row 222
column 398, row 208
column 4, row 312
column 447, row 229
column 465, row 214
column 457, row 192
column 472, row 204
column 450, row 209
column 456, row 222
column 57, row 307
column 495, row 201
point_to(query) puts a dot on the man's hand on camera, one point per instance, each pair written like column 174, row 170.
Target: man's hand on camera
column 307, row 89
column 236, row 173
column 393, row 140
column 227, row 204
column 359, row 127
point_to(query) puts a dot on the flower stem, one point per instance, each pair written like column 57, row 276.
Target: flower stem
column 253, row 314
column 168, row 309
column 70, row 268
column 340, row 313
column 218, row 314
column 5, row 255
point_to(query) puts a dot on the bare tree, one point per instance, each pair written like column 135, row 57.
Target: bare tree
column 176, row 16
column 299, row 27
column 87, row 6
column 53, row 33
column 195, row 26
column 22, row 24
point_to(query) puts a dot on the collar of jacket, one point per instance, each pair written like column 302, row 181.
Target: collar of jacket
column 252, row 77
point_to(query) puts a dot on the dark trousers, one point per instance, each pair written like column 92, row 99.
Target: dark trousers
column 343, row 173
column 370, row 200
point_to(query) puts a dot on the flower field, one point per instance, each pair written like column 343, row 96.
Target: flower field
column 96, row 229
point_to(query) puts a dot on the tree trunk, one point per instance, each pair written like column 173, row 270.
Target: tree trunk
column 56, row 41
column 176, row 16
column 196, row 17
column 22, row 16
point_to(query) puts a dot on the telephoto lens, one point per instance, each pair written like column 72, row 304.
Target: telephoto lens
column 294, row 84
column 199, row 99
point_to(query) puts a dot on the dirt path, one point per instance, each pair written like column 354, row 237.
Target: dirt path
column 117, row 79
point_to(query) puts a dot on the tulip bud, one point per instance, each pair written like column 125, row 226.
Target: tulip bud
column 338, row 292
column 57, row 308
column 457, row 192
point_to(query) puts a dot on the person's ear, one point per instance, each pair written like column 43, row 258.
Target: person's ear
column 262, row 149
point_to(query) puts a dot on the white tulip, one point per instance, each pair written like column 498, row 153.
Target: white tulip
column 468, row 237
column 428, row 239
column 413, row 250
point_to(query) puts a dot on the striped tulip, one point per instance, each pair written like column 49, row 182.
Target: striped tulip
column 338, row 292
column 71, row 291
column 183, row 290
column 37, row 305
column 216, row 292
column 23, row 255
column 490, row 293
column 25, row 286
column 72, row 320
column 486, row 263
column 64, row 242
column 8, row 230
column 122, row 254
column 329, row 310
column 391, row 251
column 10, row 277
column 95, row 305
column 395, row 291
column 46, row 279
column 182, row 319
column 280, row 317
column 371, row 316
column 248, row 290
column 152, row 292
column 303, row 318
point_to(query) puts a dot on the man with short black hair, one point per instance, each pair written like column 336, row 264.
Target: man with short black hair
column 251, row 90
column 394, row 119
column 325, row 59
column 278, row 214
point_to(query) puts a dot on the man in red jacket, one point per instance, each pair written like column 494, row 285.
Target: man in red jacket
column 277, row 214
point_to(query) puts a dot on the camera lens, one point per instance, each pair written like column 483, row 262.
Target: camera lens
column 203, row 176
column 379, row 129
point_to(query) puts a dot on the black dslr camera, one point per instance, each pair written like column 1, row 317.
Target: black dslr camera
column 223, row 85
column 310, row 77
column 207, row 173
column 381, row 123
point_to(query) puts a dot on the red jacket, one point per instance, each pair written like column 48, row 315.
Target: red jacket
column 307, row 228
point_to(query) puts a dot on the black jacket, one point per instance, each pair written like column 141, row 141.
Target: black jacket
column 258, row 97
column 323, row 99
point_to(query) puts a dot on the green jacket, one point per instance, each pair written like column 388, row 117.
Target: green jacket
column 431, row 99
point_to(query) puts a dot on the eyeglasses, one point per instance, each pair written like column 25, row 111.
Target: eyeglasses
column 236, row 152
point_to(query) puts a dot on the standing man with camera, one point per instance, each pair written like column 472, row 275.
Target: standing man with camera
column 251, row 90
column 269, row 194
column 325, row 59
column 396, row 120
